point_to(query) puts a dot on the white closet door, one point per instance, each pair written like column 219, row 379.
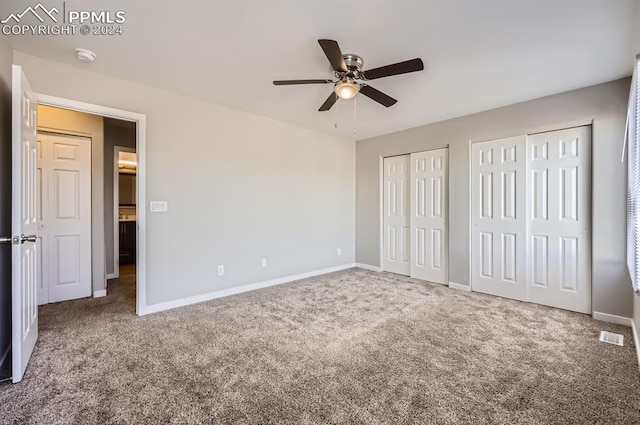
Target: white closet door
column 429, row 216
column 396, row 249
column 67, row 223
column 498, row 232
column 559, row 211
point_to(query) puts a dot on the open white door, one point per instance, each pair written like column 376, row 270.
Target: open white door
column 23, row 224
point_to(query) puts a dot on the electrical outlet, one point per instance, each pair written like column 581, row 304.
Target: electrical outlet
column 339, row 251
column 220, row 270
column 264, row 262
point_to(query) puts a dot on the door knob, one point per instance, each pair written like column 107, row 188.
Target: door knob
column 30, row 238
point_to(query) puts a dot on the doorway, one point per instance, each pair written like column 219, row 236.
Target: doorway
column 139, row 122
column 125, row 165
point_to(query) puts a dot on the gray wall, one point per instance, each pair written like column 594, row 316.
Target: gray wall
column 239, row 187
column 605, row 104
column 6, row 58
column 114, row 135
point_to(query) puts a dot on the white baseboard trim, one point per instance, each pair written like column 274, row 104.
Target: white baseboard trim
column 154, row 308
column 636, row 340
column 101, row 293
column 111, row 276
column 459, row 287
column 5, row 355
column 368, row 267
column 612, row 318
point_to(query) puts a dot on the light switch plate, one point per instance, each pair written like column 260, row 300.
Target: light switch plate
column 158, row 206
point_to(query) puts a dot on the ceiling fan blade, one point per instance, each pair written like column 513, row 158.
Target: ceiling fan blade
column 333, row 53
column 333, row 98
column 412, row 65
column 294, row 82
column 377, row 95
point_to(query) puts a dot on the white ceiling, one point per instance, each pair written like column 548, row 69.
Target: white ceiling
column 478, row 54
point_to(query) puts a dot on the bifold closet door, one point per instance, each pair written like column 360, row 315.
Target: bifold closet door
column 560, row 219
column 396, row 238
column 429, row 236
column 498, row 234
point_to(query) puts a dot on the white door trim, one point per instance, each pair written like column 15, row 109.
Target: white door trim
column 141, row 131
column 381, row 211
column 116, row 209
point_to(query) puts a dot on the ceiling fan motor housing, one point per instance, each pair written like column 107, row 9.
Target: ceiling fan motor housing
column 353, row 62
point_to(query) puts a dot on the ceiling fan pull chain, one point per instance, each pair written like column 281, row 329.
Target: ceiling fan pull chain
column 355, row 113
column 335, row 125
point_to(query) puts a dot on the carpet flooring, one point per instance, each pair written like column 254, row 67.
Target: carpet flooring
column 353, row 347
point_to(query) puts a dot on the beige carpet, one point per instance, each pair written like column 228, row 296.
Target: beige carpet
column 348, row 347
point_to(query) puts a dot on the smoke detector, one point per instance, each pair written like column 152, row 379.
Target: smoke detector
column 85, row 55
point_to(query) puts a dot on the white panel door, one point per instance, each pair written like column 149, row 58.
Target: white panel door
column 66, row 221
column 429, row 243
column 498, row 235
column 24, row 253
column 560, row 217
column 396, row 239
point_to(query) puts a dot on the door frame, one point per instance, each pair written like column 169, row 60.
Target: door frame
column 381, row 202
column 116, row 209
column 141, row 131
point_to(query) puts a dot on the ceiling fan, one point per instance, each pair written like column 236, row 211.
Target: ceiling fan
column 351, row 79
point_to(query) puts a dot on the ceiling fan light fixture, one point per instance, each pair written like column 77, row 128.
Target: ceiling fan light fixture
column 347, row 89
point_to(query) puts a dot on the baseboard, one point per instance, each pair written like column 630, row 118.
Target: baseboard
column 101, row 293
column 111, row 276
column 5, row 356
column 636, row 340
column 612, row 318
column 368, row 267
column 155, row 308
column 459, row 287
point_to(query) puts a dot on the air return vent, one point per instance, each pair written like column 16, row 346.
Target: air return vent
column 611, row 338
